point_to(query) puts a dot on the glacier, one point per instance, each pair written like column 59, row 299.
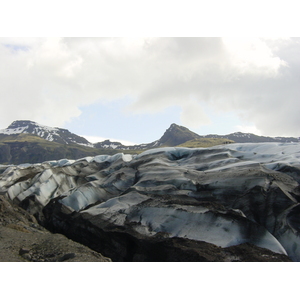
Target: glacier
column 224, row 195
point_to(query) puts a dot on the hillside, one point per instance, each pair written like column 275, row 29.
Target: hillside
column 27, row 148
column 240, row 137
column 205, row 142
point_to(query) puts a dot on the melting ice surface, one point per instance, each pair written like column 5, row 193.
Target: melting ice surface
column 225, row 195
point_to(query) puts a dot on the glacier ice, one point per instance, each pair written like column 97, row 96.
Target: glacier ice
column 225, row 195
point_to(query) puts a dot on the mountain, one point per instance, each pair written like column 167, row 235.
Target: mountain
column 28, row 148
column 173, row 136
column 240, row 137
column 51, row 134
column 26, row 141
column 29, row 142
column 107, row 144
column 176, row 135
column 181, row 136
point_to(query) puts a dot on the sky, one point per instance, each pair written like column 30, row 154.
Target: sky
column 131, row 89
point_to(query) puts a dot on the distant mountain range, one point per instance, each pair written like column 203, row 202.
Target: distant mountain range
column 174, row 136
column 29, row 142
column 177, row 135
column 239, row 137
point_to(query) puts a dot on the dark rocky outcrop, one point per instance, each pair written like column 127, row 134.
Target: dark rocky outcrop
column 176, row 135
column 31, row 149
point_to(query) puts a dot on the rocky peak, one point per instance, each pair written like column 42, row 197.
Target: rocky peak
column 176, row 135
column 21, row 123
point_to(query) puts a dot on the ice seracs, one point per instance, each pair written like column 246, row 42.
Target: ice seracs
column 225, row 195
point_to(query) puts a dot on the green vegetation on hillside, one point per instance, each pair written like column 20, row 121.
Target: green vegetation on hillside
column 28, row 148
column 205, row 142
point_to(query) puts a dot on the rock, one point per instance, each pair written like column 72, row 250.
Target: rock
column 17, row 227
column 35, row 243
column 27, row 256
column 67, row 256
column 23, row 251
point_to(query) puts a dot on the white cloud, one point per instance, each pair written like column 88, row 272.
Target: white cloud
column 252, row 56
column 193, row 116
column 248, row 129
column 48, row 79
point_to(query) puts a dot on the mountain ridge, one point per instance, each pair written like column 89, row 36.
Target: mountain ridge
column 173, row 136
column 240, row 137
column 25, row 141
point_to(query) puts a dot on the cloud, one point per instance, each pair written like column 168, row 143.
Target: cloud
column 48, row 79
column 248, row 129
column 193, row 116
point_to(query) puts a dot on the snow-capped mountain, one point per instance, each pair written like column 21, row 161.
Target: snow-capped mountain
column 240, row 137
column 52, row 134
column 173, row 136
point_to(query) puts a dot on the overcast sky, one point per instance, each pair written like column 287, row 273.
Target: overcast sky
column 132, row 89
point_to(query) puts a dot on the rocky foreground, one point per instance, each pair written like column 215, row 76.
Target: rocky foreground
column 23, row 239
column 238, row 202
